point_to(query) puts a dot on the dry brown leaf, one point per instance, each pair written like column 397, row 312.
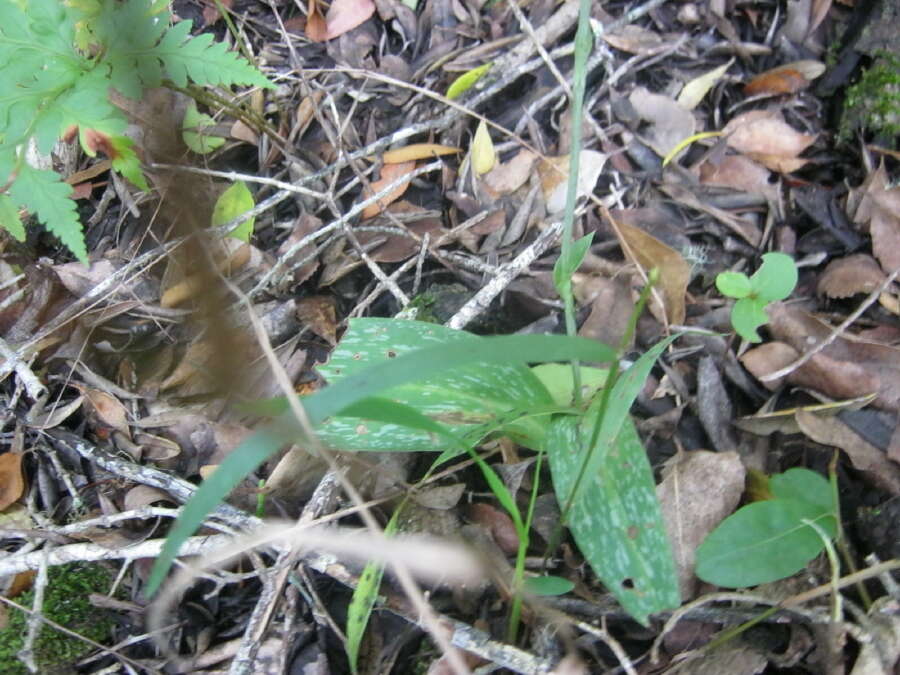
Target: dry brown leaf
column 507, row 177
column 145, row 495
column 109, row 410
column 767, row 358
column 611, row 306
column 316, row 28
column 398, row 247
column 674, row 272
column 787, row 79
column 846, row 368
column 739, row 173
column 416, row 151
column 389, row 174
column 345, row 15
column 670, row 123
column 884, row 226
column 498, row 523
column 699, row 489
column 766, row 137
column 554, row 173
column 865, row 457
column 211, row 11
column 847, row 276
column 634, row 40
column 12, row 482
column 317, row 313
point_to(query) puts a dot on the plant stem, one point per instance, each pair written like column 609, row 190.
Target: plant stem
column 583, row 44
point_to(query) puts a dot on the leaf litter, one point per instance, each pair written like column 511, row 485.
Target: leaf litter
column 148, row 355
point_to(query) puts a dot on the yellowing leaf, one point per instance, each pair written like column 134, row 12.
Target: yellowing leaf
column 464, row 82
column 233, row 202
column 694, row 91
column 416, row 151
column 482, row 151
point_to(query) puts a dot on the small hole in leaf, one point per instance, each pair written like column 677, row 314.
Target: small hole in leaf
column 628, row 583
column 391, row 354
column 357, row 356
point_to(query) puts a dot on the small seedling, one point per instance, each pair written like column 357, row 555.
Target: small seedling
column 773, row 538
column 774, row 280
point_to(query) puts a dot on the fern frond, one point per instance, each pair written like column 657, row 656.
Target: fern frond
column 44, row 194
column 9, row 218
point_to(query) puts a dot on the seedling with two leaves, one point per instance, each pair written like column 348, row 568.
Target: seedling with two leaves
column 774, row 280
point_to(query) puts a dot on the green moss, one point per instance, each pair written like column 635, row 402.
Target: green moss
column 873, row 103
column 65, row 602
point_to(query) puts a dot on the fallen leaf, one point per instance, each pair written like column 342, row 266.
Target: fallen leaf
column 864, row 456
column 507, row 177
column 316, row 27
column 482, row 152
column 12, row 483
column 144, row 495
column 317, row 313
column 211, row 12
column 109, row 410
column 389, row 174
column 693, row 92
column 345, row 15
column 554, row 173
column 634, row 40
column 415, row 151
column 850, row 275
column 787, row 79
column 498, row 523
column 674, row 272
column 766, row 137
column 669, row 122
column 699, row 489
column 398, row 247
column 739, row 173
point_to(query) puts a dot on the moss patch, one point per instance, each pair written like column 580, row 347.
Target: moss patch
column 66, row 602
column 873, row 103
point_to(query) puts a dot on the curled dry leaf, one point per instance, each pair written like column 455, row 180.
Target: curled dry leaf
column 699, row 489
column 634, row 40
column 850, row 275
column 389, row 174
column 674, row 272
column 787, row 79
column 12, row 484
column 766, row 137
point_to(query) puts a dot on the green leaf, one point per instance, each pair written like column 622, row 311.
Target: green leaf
column 567, row 264
column 46, row 195
column 397, row 369
column 9, row 218
column 804, row 486
column 762, row 542
column 236, row 200
column 776, row 277
column 364, row 596
column 558, row 380
column 191, row 131
column 616, row 522
column 548, row 585
column 469, row 400
column 747, row 315
column 734, row 284
column 126, row 161
column 466, row 81
column 625, row 391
